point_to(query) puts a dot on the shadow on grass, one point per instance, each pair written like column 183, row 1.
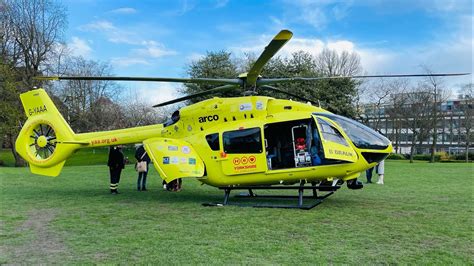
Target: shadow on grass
column 190, row 195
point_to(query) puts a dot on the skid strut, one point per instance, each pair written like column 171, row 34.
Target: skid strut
column 316, row 200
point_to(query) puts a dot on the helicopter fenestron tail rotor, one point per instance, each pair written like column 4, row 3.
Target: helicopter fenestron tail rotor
column 43, row 141
column 249, row 82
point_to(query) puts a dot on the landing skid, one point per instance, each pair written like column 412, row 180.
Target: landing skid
column 316, row 200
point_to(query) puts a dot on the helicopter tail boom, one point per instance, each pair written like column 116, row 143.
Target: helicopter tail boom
column 46, row 140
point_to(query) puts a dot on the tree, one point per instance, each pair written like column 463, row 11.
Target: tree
column 416, row 115
column 467, row 109
column 29, row 31
column 34, row 27
column 214, row 65
column 10, row 112
column 298, row 64
column 435, row 85
column 139, row 114
column 90, row 104
column 336, row 95
column 331, row 63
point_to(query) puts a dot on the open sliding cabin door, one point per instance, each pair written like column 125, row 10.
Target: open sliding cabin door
column 334, row 144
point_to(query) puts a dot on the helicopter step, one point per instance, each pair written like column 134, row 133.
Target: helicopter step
column 329, row 189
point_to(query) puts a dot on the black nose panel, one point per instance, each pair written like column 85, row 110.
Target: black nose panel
column 371, row 157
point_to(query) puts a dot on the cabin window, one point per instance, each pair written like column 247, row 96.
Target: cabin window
column 330, row 133
column 243, row 141
column 213, row 141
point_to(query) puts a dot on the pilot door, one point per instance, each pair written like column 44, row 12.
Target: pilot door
column 243, row 150
column 335, row 146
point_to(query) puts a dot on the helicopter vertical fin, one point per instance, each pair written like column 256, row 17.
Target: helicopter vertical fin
column 46, row 140
column 174, row 158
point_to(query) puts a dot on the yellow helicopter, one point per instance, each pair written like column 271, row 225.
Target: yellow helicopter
column 250, row 142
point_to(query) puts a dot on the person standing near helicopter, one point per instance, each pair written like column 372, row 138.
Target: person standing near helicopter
column 116, row 163
column 142, row 156
column 381, row 172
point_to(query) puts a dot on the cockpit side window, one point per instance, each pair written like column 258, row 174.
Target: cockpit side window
column 174, row 119
column 331, row 133
column 213, row 141
column 362, row 136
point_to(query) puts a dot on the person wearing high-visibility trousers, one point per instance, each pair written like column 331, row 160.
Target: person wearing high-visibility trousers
column 116, row 163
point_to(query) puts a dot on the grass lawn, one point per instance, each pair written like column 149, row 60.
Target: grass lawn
column 423, row 214
column 96, row 156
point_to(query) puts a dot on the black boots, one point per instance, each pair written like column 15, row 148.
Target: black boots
column 354, row 184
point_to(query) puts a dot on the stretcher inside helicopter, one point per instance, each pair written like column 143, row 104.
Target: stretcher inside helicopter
column 292, row 144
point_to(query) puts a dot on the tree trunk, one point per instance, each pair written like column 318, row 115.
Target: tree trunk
column 19, row 162
column 413, row 145
column 411, row 151
column 433, row 145
column 467, row 150
column 434, row 125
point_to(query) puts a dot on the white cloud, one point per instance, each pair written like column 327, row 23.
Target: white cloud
column 129, row 61
column 316, row 17
column 100, row 25
column 153, row 49
column 141, row 51
column 80, row 47
column 451, row 53
column 312, row 46
column 142, row 56
column 221, row 3
column 372, row 60
column 113, row 34
column 158, row 92
column 123, row 11
column 317, row 13
column 194, row 57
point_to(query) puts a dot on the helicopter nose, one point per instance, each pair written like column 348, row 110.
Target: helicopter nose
column 374, row 157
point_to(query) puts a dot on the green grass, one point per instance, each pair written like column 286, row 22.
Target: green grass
column 423, row 214
column 97, row 156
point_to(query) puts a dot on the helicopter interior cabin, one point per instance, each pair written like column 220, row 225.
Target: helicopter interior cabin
column 292, row 144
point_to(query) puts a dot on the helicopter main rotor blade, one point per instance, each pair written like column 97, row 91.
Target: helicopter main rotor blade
column 216, row 81
column 211, row 91
column 265, row 81
column 266, row 87
column 272, row 48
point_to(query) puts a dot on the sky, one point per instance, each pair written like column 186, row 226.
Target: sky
column 160, row 38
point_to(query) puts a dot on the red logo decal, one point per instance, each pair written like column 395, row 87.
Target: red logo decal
column 252, row 159
column 244, row 160
column 236, row 161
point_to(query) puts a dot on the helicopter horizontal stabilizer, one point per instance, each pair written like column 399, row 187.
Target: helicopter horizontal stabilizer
column 54, row 170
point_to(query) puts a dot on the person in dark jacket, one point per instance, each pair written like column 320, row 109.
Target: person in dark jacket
column 368, row 174
column 141, row 155
column 116, row 163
